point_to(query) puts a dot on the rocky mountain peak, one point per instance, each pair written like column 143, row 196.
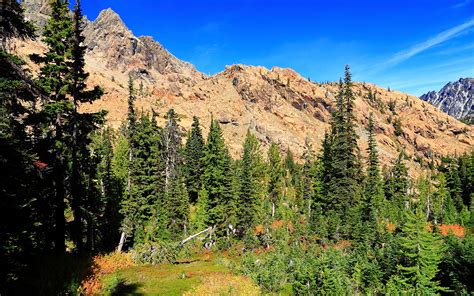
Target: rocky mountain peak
column 108, row 17
column 113, row 45
column 455, row 98
column 277, row 105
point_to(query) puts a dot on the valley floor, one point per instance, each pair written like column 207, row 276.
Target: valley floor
column 201, row 276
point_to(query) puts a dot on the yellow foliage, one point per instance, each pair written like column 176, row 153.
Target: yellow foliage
column 259, row 229
column 225, row 284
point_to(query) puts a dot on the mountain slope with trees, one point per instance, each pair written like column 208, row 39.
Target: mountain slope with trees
column 335, row 222
column 277, row 105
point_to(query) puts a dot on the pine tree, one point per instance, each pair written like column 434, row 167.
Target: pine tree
column 172, row 147
column 217, row 180
column 466, row 174
column 23, row 202
column 421, row 251
column 249, row 204
column 308, row 181
column 340, row 155
column 13, row 23
column 110, row 185
column 454, row 184
column 176, row 200
column 21, row 226
column 146, row 181
column 396, row 185
column 193, row 153
column 374, row 195
column 276, row 175
column 291, row 167
column 54, row 80
column 440, row 199
column 82, row 124
column 177, row 208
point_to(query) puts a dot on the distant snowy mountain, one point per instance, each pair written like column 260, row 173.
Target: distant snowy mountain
column 455, row 98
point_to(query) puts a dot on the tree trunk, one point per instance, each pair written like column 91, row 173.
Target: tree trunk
column 273, row 209
column 195, row 235
column 60, row 194
column 60, row 223
column 121, row 242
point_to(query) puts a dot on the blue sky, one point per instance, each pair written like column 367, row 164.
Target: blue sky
column 412, row 46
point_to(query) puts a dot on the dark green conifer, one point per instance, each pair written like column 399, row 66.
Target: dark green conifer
column 275, row 175
column 374, row 194
column 217, row 181
column 82, row 124
column 421, row 251
column 55, row 117
column 249, row 202
column 193, row 154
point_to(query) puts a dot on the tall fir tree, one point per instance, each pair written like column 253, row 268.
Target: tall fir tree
column 440, row 200
column 172, row 147
column 421, row 251
column 145, row 198
column 341, row 151
column 373, row 202
column 308, row 182
column 176, row 200
column 55, row 116
column 396, row 185
column 82, row 124
column 454, row 184
column 275, row 177
column 217, row 181
column 193, row 154
column 249, row 204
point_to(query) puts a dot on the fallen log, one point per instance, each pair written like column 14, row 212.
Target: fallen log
column 194, row 235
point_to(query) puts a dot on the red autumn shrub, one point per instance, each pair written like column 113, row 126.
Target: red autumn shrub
column 456, row 229
column 40, row 165
column 102, row 265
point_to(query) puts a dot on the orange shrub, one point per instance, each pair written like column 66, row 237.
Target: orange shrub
column 277, row 224
column 259, row 229
column 429, row 227
column 391, row 227
column 102, row 265
column 456, row 229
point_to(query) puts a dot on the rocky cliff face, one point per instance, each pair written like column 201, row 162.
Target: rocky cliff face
column 37, row 11
column 275, row 104
column 455, row 98
column 111, row 42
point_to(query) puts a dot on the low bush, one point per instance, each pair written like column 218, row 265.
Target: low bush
column 156, row 252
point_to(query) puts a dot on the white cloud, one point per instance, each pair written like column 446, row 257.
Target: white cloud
column 462, row 4
column 404, row 55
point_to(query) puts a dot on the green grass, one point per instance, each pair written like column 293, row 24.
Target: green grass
column 162, row 279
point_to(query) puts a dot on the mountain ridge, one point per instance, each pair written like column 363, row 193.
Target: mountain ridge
column 276, row 104
column 455, row 98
